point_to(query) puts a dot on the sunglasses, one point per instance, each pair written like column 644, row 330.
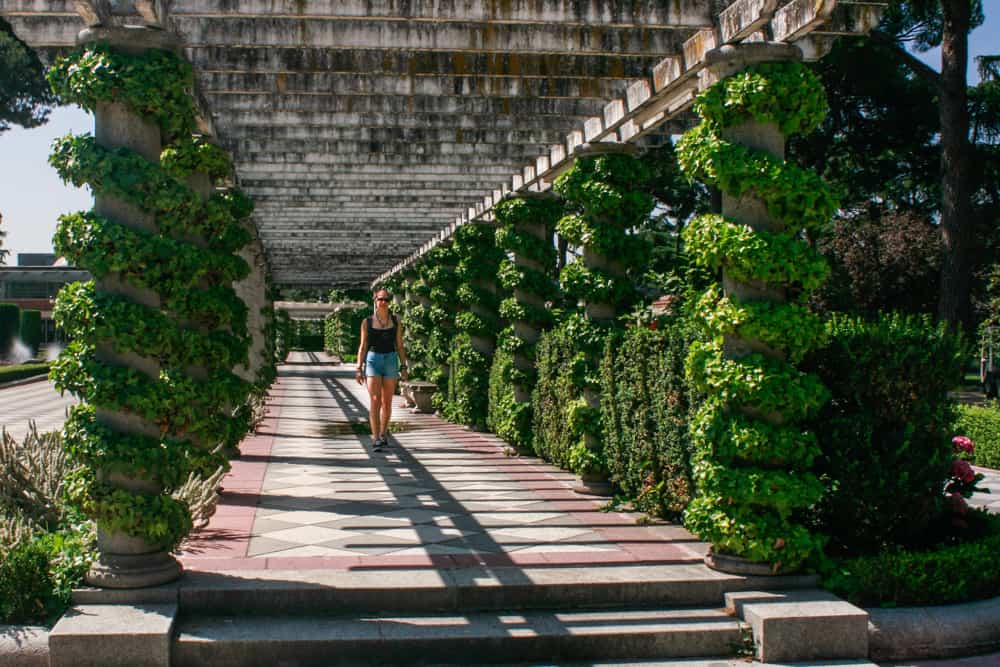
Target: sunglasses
column 381, row 298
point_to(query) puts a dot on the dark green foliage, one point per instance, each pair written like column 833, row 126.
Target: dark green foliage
column 25, row 583
column 567, row 360
column 38, row 573
column 885, row 434
column 559, row 365
column 31, row 329
column 342, row 332
column 11, row 373
column 646, row 404
column 982, row 425
column 948, row 574
column 468, row 384
column 284, row 333
column 310, row 342
column 25, row 96
column 506, row 417
column 10, row 324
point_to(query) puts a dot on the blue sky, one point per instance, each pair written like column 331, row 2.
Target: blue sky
column 32, row 197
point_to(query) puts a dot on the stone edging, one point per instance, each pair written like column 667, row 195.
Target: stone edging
column 24, row 646
column 906, row 633
column 27, row 380
column 946, row 631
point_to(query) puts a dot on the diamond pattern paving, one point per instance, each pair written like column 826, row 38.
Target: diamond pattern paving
column 309, row 492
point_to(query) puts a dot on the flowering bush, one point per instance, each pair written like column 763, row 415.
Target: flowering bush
column 962, row 479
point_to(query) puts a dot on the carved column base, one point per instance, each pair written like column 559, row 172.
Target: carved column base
column 129, row 562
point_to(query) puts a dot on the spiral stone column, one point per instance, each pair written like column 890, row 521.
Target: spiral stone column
column 126, row 561
column 752, row 461
column 476, row 324
column 601, row 191
column 438, row 271
column 526, row 223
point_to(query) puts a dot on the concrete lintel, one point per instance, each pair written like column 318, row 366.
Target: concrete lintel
column 113, row 635
column 293, row 58
column 224, row 102
column 465, row 85
column 404, row 35
column 677, row 13
column 800, row 17
column 745, row 17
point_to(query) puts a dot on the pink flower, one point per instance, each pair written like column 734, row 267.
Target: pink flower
column 962, row 471
column 963, row 444
column 957, row 502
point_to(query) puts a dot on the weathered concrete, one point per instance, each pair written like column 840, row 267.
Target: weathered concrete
column 802, row 625
column 915, row 633
column 488, row 96
column 24, row 646
column 141, row 636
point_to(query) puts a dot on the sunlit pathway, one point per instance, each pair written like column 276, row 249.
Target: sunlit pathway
column 310, row 493
column 38, row 401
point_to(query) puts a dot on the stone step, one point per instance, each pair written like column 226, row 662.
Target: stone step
column 449, row 590
column 434, row 639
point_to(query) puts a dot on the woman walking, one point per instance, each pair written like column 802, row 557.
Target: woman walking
column 381, row 359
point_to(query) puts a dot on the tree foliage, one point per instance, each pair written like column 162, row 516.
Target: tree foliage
column 25, row 97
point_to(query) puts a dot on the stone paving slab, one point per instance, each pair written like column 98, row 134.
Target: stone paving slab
column 34, row 401
column 310, row 493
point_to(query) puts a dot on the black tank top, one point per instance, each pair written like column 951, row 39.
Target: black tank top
column 381, row 340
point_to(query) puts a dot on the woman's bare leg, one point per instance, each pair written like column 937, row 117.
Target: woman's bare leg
column 375, row 399
column 388, row 389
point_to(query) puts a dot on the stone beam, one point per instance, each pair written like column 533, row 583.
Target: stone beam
column 335, row 83
column 224, row 102
column 407, row 35
column 352, row 150
column 293, row 133
column 415, row 63
column 626, row 13
column 292, row 121
column 409, row 159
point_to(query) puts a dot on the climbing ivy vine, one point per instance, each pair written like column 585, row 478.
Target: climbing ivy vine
column 478, row 258
column 199, row 322
column 524, row 231
column 752, row 460
column 606, row 200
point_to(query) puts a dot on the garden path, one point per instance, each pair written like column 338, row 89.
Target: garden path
column 309, row 493
column 34, row 401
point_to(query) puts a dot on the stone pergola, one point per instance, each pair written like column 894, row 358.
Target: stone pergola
column 365, row 131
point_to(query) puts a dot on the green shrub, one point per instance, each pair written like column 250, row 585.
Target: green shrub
column 885, row 434
column 982, row 425
column 21, row 371
column 10, row 323
column 31, row 329
column 567, row 359
column 25, row 583
column 645, row 405
column 506, row 417
column 949, row 574
column 342, row 332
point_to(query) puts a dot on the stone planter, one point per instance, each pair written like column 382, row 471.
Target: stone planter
column 739, row 565
column 407, row 394
column 593, row 484
column 421, row 393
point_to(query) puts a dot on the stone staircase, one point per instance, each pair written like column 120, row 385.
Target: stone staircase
column 465, row 616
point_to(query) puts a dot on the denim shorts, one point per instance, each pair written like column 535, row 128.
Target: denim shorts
column 382, row 364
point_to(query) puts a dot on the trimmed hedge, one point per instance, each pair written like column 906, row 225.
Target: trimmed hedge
column 31, row 329
column 10, row 323
column 646, row 406
column 11, row 373
column 885, row 434
column 950, row 574
column 982, row 425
